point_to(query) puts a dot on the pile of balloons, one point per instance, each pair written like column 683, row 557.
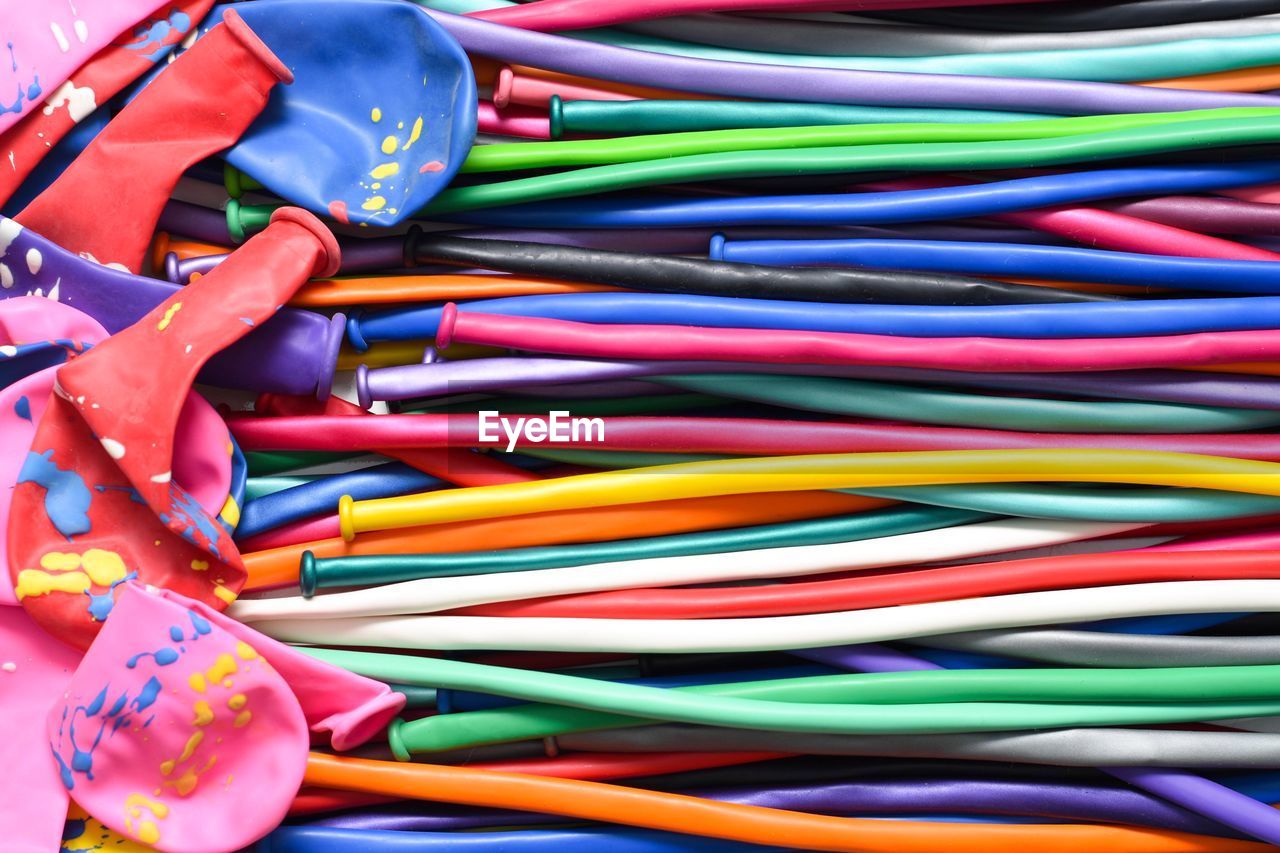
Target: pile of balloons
column 680, row 425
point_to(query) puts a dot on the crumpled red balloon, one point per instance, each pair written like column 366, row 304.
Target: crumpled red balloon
column 105, row 206
column 96, row 505
column 132, row 54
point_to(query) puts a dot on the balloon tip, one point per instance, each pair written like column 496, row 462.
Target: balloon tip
column 308, row 581
column 502, row 87
column 395, row 739
column 363, row 396
column 346, row 518
column 329, row 362
column 332, row 260
column 444, row 332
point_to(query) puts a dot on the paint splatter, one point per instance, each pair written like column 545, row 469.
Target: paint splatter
column 433, row 166
column 377, row 202
column 390, row 144
column 22, row 408
column 168, row 316
column 414, row 134
column 114, row 448
column 67, row 498
column 79, row 100
column 376, row 115
column 34, row 260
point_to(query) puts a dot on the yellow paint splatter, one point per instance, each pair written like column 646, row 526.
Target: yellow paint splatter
column 230, row 512
column 237, row 701
column 385, row 170
column 104, row 567
column 200, row 565
column 375, row 203
column 193, row 743
column 147, row 832
column 246, row 651
column 60, row 561
column 414, row 134
column 242, row 719
column 166, row 767
column 168, row 316
column 224, row 666
column 204, row 714
column 35, row 582
column 197, row 682
column 377, row 185
column 225, row 594
column 376, row 115
column 390, row 144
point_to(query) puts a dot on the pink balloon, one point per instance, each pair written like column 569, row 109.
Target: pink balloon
column 34, row 673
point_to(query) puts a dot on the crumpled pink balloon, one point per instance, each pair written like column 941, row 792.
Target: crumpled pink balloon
column 187, row 731
column 34, row 673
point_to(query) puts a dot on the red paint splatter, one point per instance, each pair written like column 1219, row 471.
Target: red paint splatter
column 338, row 210
column 433, row 166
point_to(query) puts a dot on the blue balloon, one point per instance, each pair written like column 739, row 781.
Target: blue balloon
column 379, row 117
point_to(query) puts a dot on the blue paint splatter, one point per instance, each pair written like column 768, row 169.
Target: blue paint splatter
column 66, row 499
column 190, row 517
column 163, row 657
column 175, row 634
column 153, row 37
column 34, row 91
column 201, row 625
column 100, row 605
column 147, row 697
column 68, row 780
column 22, row 408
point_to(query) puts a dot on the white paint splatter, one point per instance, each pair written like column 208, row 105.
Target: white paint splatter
column 162, row 478
column 80, row 101
column 53, row 291
column 188, row 349
column 61, row 37
column 114, row 448
column 6, row 276
column 9, row 231
column 9, row 666
column 82, row 30
column 12, row 163
column 34, row 260
column 8, row 350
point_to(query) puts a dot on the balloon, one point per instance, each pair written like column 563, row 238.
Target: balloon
column 105, row 206
column 37, row 64
column 380, row 116
column 294, row 352
column 96, row 504
column 129, row 56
